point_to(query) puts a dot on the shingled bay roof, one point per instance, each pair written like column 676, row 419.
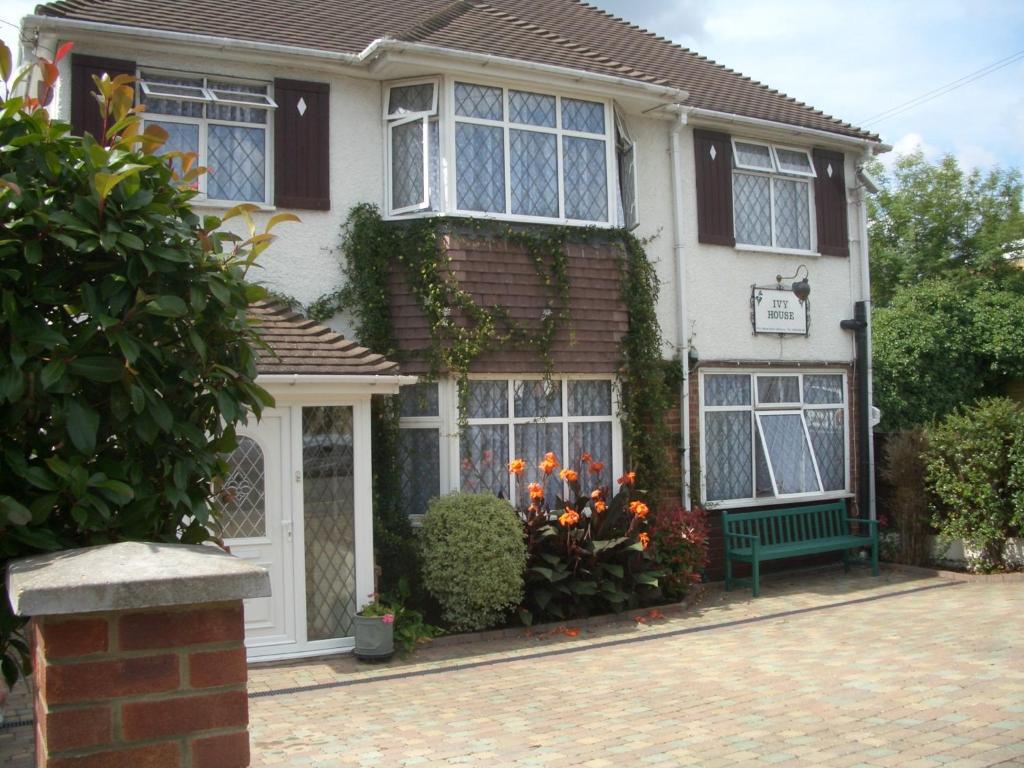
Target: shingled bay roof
column 297, row 345
column 566, row 33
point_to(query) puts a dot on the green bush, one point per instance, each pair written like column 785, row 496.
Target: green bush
column 473, row 559
column 125, row 351
column 975, row 468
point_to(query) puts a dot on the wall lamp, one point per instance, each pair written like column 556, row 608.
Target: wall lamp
column 801, row 288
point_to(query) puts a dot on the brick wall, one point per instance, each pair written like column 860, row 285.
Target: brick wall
column 156, row 688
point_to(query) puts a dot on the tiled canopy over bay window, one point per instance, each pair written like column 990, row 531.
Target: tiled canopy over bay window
column 509, row 154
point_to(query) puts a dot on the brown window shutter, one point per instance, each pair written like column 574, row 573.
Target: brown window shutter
column 302, row 145
column 830, row 203
column 713, row 156
column 85, row 110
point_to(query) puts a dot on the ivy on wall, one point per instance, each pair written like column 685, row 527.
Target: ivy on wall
column 372, row 248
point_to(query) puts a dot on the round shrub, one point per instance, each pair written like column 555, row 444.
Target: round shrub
column 972, row 462
column 473, row 558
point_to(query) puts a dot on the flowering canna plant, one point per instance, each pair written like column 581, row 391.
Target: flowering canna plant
column 587, row 552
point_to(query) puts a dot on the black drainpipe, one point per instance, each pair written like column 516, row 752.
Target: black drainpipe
column 859, row 325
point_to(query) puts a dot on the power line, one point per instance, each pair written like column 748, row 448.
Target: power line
column 942, row 90
column 2, row 21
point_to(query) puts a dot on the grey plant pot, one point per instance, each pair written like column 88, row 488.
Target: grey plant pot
column 375, row 640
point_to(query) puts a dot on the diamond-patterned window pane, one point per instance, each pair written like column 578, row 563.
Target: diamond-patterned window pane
column 419, row 456
column 754, row 156
column 419, row 400
column 751, row 203
column 329, row 518
column 410, row 99
column 823, row 389
column 160, row 106
column 627, row 186
column 532, row 442
column 828, row 438
column 594, row 438
column 778, row 389
column 478, row 101
column 234, row 112
column 788, row 452
column 792, row 214
column 531, row 108
column 243, row 496
column 237, row 162
column 792, row 161
column 407, row 165
column 586, row 116
column 487, row 399
column 480, row 168
column 483, row 459
column 181, row 137
column 538, row 398
column 434, row 163
column 590, row 398
column 727, row 389
column 764, row 479
column 728, row 462
column 586, row 179
column 534, row 168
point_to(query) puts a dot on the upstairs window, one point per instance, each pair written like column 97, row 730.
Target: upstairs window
column 506, row 153
column 223, row 121
column 772, row 196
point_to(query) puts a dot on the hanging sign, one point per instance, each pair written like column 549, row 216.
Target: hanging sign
column 778, row 311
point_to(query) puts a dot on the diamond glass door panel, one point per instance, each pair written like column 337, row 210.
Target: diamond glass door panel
column 329, row 518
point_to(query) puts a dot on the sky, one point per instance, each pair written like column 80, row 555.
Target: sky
column 852, row 60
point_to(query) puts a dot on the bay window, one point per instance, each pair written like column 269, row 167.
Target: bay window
column 768, row 435
column 225, row 122
column 488, row 150
column 772, row 196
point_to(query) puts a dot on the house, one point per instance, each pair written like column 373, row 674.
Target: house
column 505, row 112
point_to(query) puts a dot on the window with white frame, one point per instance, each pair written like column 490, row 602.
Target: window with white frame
column 224, row 121
column 419, row 447
column 773, row 435
column 507, row 153
column 773, row 196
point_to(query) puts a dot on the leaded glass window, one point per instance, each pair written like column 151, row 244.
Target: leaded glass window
column 419, row 447
column 243, row 496
column 224, row 122
column 773, row 434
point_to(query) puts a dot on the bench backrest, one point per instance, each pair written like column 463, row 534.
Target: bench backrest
column 788, row 525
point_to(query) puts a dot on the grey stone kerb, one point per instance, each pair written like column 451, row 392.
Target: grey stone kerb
column 130, row 575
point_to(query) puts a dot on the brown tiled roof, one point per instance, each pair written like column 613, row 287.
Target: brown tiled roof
column 296, row 344
column 567, row 33
column 495, row 272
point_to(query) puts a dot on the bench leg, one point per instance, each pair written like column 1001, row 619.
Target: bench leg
column 728, row 574
column 755, row 576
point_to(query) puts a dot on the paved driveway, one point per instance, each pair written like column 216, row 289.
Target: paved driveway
column 823, row 670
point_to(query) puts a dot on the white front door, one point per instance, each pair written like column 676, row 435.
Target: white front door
column 258, row 526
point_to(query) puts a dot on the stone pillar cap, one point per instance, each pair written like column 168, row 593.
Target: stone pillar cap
column 130, row 575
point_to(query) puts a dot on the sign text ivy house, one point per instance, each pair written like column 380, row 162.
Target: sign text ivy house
column 517, row 112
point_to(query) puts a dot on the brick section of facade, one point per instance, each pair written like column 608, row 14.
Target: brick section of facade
column 496, row 272
column 155, row 688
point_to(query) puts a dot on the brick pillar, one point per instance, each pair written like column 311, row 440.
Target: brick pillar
column 138, row 687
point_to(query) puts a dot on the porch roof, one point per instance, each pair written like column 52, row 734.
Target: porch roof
column 298, row 345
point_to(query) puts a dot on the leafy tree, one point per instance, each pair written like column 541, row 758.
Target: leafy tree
column 933, row 219
column 125, row 353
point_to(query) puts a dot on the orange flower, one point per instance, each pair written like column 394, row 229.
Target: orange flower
column 586, row 458
column 628, row 479
column 597, row 467
column 536, row 491
column 516, row 467
column 569, row 475
column 569, row 518
column 645, row 540
column 639, row 509
column 600, row 506
column 597, row 493
column 548, row 464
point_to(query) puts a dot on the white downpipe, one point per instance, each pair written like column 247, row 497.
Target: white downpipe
column 683, row 340
column 865, row 287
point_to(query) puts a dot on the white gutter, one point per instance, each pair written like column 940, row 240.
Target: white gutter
column 683, row 340
column 876, row 147
column 375, row 49
column 865, row 283
column 292, row 379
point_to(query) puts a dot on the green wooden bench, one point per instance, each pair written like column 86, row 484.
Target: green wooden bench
column 771, row 534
